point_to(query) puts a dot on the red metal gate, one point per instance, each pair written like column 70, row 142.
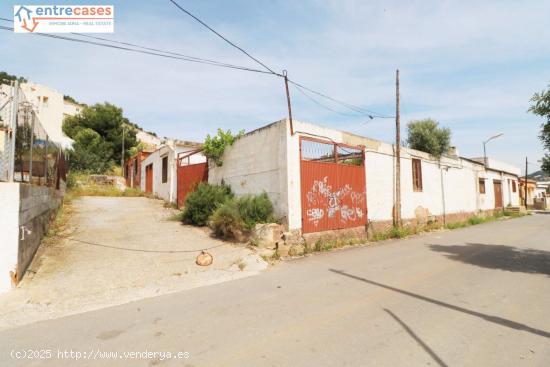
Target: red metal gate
column 333, row 186
column 189, row 176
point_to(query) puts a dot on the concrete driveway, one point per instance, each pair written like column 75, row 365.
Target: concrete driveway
column 478, row 296
column 120, row 250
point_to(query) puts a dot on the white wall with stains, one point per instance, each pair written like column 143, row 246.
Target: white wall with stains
column 257, row 162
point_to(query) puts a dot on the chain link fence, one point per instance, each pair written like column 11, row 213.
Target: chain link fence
column 27, row 153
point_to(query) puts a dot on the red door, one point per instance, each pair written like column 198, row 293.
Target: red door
column 190, row 176
column 333, row 189
column 149, row 178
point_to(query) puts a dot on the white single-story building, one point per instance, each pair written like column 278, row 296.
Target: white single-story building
column 323, row 179
column 159, row 169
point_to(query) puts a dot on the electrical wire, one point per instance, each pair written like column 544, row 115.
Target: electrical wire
column 139, row 249
column 364, row 111
column 182, row 58
column 223, row 38
column 174, row 55
column 345, row 104
column 299, row 89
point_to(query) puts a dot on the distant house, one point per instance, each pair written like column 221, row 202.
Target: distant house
column 150, row 140
column 51, row 109
column 159, row 169
column 531, row 189
column 132, row 168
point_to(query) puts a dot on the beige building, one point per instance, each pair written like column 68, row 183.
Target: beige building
column 50, row 106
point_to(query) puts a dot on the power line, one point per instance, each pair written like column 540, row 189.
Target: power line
column 223, row 38
column 164, row 54
column 174, row 55
column 303, row 92
column 345, row 104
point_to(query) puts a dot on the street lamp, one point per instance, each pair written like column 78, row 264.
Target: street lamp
column 485, row 149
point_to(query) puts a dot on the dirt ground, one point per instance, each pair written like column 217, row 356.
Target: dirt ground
column 117, row 250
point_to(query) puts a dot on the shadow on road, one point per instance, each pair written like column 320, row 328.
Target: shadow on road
column 490, row 318
column 498, row 257
column 420, row 342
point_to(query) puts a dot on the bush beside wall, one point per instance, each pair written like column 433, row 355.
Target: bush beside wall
column 201, row 203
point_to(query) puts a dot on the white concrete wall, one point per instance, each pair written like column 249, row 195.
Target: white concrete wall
column 9, row 232
column 255, row 163
column 71, row 109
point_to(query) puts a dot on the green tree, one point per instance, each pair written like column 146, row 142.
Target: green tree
column 90, row 152
column 108, row 122
column 5, row 77
column 541, row 106
column 426, row 135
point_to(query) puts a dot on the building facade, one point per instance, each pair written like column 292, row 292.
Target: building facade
column 324, row 179
column 159, row 169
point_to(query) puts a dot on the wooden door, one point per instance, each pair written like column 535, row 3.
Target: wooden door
column 498, row 194
column 149, row 178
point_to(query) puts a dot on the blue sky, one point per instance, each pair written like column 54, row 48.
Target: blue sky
column 471, row 65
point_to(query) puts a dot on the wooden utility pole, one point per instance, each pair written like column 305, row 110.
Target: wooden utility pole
column 397, row 217
column 525, row 188
column 288, row 102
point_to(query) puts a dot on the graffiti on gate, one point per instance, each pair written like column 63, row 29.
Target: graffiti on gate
column 323, row 200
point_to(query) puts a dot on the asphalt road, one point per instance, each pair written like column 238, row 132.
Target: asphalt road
column 478, row 296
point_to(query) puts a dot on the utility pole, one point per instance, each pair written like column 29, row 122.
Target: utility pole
column 397, row 218
column 288, row 102
column 122, row 153
column 525, row 188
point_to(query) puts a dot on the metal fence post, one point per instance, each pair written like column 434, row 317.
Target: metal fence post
column 31, row 146
column 13, row 130
column 46, row 162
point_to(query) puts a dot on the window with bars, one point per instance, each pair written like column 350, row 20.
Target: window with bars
column 514, row 187
column 482, row 186
column 164, row 169
column 417, row 174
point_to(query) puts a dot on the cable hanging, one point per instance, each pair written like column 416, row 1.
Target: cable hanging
column 357, row 109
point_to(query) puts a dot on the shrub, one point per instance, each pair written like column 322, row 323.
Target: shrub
column 71, row 180
column 226, row 221
column 235, row 216
column 399, row 232
column 214, row 146
column 475, row 220
column 201, row 203
column 255, row 209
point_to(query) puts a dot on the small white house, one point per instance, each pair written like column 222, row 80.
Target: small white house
column 159, row 169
